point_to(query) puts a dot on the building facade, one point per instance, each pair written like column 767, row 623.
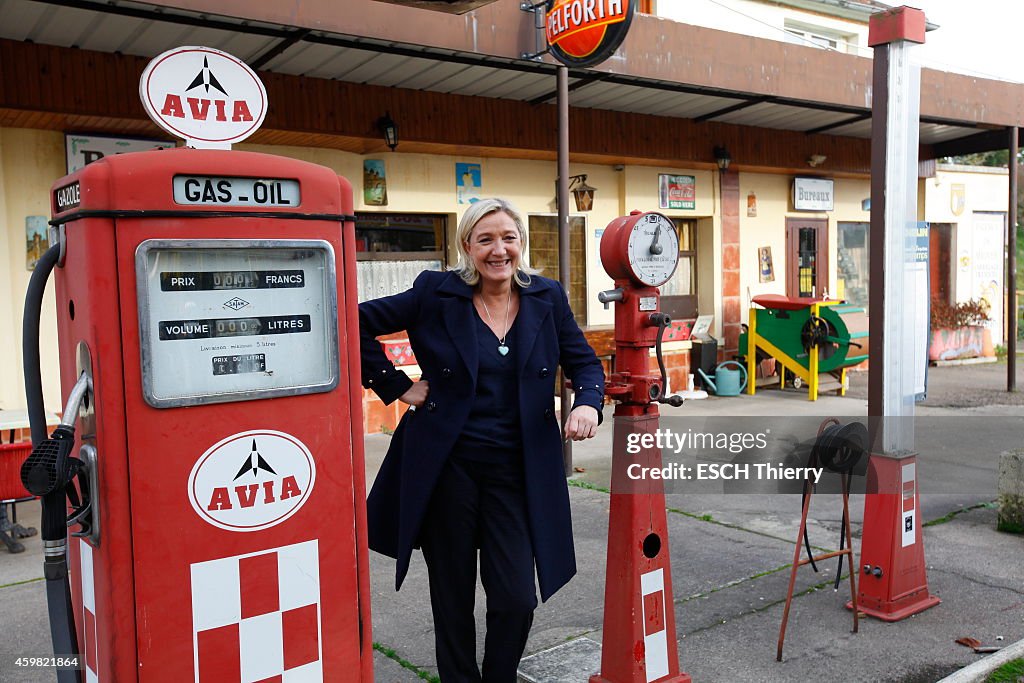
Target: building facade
column 475, row 118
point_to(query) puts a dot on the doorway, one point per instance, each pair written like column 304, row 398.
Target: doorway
column 940, row 248
column 806, row 257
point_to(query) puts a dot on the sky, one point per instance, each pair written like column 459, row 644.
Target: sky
column 979, row 37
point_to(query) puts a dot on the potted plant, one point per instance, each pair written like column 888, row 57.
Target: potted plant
column 958, row 330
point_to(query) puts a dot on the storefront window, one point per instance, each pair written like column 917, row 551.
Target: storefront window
column 543, row 240
column 852, row 276
column 393, row 248
column 679, row 295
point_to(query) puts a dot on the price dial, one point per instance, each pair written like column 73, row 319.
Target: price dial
column 653, row 249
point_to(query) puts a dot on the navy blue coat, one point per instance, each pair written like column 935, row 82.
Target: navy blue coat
column 438, row 314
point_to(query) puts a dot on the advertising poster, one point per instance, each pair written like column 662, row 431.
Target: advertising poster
column 82, row 150
column 467, row 182
column 677, row 191
column 375, row 183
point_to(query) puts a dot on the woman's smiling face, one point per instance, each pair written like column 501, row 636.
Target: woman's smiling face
column 495, row 247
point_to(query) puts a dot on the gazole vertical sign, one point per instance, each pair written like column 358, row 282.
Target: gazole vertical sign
column 583, row 33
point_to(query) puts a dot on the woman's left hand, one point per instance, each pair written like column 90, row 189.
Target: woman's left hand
column 582, row 423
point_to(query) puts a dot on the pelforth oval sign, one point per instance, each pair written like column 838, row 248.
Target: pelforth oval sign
column 585, row 32
column 208, row 97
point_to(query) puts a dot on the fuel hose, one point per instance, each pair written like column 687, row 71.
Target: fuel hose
column 54, row 536
column 840, row 449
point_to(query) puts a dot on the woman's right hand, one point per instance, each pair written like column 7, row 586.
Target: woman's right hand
column 416, row 396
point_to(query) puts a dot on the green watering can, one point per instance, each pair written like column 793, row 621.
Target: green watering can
column 726, row 382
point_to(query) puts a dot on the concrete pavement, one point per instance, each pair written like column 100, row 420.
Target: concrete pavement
column 730, row 564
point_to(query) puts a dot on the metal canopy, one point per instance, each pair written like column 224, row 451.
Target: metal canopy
column 143, row 30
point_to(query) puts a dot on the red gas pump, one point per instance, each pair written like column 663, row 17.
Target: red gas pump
column 207, row 317
column 227, row 540
column 640, row 252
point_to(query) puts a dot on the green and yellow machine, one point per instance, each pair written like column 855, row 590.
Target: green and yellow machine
column 814, row 339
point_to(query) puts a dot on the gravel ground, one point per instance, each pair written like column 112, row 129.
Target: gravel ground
column 961, row 386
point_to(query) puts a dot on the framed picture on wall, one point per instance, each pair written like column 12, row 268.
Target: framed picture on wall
column 36, row 240
column 375, row 183
column 765, row 268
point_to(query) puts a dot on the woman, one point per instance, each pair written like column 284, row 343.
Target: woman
column 476, row 461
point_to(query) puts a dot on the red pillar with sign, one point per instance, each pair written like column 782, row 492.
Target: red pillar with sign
column 893, row 583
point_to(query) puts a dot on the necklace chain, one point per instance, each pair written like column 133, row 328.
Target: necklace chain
column 508, row 306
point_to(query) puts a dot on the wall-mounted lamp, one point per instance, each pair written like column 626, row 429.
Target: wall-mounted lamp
column 389, row 129
column 816, row 160
column 583, row 193
column 722, row 158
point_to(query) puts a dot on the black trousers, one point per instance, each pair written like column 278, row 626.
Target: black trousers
column 479, row 505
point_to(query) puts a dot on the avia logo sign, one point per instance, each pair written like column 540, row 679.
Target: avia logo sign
column 586, row 32
column 252, row 480
column 208, row 97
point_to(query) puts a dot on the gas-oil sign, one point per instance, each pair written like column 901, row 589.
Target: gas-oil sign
column 585, row 32
column 208, row 97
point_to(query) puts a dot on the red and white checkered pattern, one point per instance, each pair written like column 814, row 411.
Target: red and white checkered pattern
column 256, row 617
column 90, row 644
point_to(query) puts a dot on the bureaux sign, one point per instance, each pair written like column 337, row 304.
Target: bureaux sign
column 586, row 32
column 813, row 194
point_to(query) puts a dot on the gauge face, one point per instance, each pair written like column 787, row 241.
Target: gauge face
column 653, row 249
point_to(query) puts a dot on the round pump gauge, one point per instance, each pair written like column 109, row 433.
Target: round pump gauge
column 643, row 247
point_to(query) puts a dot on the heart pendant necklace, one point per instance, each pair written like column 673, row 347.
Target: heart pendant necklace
column 502, row 346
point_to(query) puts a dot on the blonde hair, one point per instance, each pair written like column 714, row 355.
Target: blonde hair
column 465, row 268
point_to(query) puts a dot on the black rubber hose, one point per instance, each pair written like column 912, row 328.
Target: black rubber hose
column 58, row 592
column 842, row 540
column 30, row 343
column 58, row 589
column 807, row 538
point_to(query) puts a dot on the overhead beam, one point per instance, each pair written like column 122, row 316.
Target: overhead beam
column 200, row 21
column 582, row 82
column 730, row 109
column 839, row 124
column 276, row 50
column 988, row 141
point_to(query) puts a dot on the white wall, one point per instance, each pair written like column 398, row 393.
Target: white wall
column 30, row 161
column 979, row 232
column 760, row 19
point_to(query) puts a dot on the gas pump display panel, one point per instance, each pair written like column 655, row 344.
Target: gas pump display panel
column 235, row 320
